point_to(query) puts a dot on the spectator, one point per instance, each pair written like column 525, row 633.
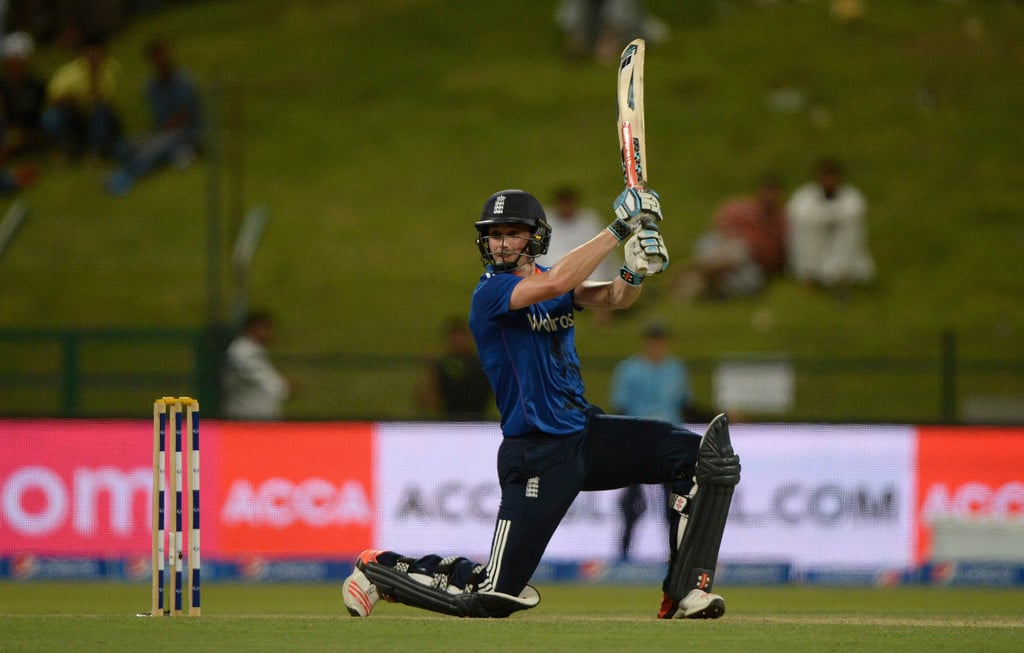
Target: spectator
column 176, row 135
column 22, row 97
column 652, row 383
column 599, row 29
column 571, row 226
column 744, row 249
column 253, row 389
column 827, row 231
column 455, row 383
column 80, row 116
column 14, row 179
column 846, row 11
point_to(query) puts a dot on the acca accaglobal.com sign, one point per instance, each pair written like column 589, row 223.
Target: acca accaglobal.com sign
column 815, row 496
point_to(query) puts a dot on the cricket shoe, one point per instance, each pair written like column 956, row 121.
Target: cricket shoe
column 698, row 604
column 358, row 593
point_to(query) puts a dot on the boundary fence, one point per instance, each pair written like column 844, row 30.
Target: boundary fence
column 116, row 372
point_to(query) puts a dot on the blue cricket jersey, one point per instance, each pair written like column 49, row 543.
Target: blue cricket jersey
column 530, row 358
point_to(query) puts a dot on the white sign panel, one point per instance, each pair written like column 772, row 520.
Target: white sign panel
column 823, row 496
column 764, row 386
column 811, row 495
column 437, row 491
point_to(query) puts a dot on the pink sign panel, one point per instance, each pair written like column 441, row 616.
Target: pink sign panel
column 75, row 487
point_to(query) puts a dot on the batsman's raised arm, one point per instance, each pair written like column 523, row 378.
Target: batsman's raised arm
column 606, row 294
column 635, row 211
column 569, row 273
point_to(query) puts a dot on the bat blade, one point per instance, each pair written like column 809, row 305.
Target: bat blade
column 632, row 137
column 632, row 140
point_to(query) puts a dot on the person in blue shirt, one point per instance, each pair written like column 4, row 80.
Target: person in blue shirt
column 555, row 443
column 651, row 383
column 173, row 99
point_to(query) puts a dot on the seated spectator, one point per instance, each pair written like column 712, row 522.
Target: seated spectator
column 601, row 28
column 14, row 179
column 827, row 243
column 173, row 100
column 80, row 117
column 22, row 96
column 745, row 247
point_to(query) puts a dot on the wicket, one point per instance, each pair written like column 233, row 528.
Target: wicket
column 178, row 411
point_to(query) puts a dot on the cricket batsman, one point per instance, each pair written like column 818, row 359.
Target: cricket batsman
column 555, row 443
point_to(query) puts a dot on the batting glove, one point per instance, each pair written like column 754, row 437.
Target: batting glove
column 653, row 252
column 645, row 254
column 634, row 207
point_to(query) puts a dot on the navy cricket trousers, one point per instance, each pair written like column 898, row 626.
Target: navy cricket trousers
column 540, row 476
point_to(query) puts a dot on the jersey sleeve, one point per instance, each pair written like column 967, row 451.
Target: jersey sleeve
column 491, row 298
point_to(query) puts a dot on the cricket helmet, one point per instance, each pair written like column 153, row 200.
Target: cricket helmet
column 513, row 206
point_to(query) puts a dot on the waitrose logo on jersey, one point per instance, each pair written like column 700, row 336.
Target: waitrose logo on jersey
column 550, row 324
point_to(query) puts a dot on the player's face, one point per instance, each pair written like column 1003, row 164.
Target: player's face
column 507, row 242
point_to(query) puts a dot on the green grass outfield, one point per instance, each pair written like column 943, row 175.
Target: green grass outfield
column 100, row 617
column 373, row 131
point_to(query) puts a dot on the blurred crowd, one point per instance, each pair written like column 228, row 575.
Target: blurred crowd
column 70, row 115
column 819, row 236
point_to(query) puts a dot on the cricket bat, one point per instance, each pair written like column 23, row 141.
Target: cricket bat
column 631, row 115
column 632, row 140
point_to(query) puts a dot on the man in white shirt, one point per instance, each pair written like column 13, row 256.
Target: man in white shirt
column 571, row 226
column 253, row 389
column 827, row 231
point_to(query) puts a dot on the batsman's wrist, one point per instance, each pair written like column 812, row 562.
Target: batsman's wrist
column 621, row 230
column 631, row 277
